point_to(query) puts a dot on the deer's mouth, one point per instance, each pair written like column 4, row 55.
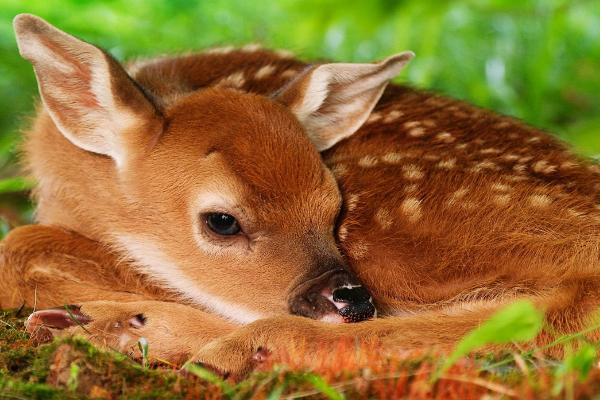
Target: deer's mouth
column 335, row 297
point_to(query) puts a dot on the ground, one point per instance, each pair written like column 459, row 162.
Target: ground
column 71, row 368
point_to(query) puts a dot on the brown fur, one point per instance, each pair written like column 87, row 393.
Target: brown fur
column 449, row 212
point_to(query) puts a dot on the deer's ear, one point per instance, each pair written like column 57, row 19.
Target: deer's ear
column 333, row 100
column 90, row 98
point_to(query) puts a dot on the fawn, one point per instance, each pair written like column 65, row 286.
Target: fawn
column 183, row 199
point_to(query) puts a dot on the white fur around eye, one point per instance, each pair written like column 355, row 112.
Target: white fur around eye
column 221, row 202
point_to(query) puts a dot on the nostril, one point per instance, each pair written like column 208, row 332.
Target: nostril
column 358, row 312
column 356, row 303
column 351, row 294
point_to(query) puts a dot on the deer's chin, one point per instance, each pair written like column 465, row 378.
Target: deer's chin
column 333, row 318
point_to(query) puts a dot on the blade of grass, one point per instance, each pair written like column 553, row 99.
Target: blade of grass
column 561, row 340
column 517, row 322
column 323, row 387
column 210, row 377
column 75, row 319
column 15, row 184
column 143, row 347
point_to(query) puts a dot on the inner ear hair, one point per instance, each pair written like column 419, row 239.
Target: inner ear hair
column 333, row 100
column 89, row 96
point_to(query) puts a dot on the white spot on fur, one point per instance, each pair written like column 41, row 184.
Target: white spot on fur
column 540, row 200
column 392, row 158
column 417, row 132
column 457, row 196
column 431, row 157
column 236, row 80
column 368, row 161
column 412, row 172
column 374, row 117
column 265, row 71
column 544, row 167
column 525, row 159
column 447, row 164
column 482, row 165
column 220, row 50
column 519, row 168
column 445, row 137
column 490, row 150
column 352, row 202
column 502, row 125
column 501, row 187
column 383, row 218
column 510, row 157
column 411, row 124
column 516, row 178
column 411, row 207
column 501, row 199
column 575, row 214
column 392, row 116
column 339, row 170
column 468, row 205
column 289, row 73
column 343, row 233
column 567, row 165
column 411, row 188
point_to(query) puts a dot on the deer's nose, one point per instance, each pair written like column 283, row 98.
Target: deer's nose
column 336, row 296
column 356, row 303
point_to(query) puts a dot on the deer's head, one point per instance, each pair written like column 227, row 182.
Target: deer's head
column 224, row 195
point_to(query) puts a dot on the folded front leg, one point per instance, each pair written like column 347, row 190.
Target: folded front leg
column 440, row 330
column 45, row 266
column 173, row 331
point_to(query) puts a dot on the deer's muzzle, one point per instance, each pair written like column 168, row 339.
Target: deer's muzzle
column 334, row 296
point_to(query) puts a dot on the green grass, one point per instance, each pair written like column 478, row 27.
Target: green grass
column 71, row 368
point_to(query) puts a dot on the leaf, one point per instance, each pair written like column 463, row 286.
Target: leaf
column 581, row 361
column 323, row 387
column 518, row 322
column 16, row 184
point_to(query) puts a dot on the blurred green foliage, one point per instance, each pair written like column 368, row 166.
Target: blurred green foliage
column 535, row 59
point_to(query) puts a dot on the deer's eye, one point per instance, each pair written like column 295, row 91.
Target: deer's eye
column 222, row 224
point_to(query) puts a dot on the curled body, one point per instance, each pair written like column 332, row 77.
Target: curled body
column 181, row 197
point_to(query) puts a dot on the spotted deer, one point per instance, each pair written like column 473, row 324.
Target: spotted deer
column 235, row 200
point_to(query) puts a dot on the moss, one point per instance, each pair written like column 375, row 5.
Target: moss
column 72, row 368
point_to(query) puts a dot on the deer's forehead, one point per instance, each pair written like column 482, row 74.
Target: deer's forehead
column 231, row 109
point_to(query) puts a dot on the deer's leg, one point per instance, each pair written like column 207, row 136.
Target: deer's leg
column 44, row 266
column 173, row 331
column 439, row 330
